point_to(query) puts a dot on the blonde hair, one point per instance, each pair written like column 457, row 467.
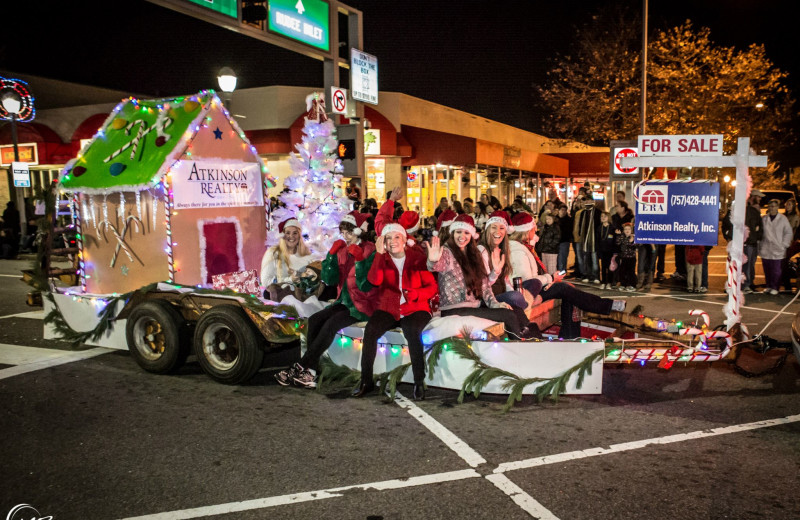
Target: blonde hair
column 280, row 252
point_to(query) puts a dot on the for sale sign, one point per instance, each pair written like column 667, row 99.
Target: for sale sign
column 682, row 213
column 680, row 145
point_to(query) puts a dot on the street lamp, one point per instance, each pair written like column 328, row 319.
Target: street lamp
column 12, row 103
column 727, row 179
column 227, row 84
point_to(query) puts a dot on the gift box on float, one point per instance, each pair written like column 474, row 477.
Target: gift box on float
column 168, row 189
column 245, row 282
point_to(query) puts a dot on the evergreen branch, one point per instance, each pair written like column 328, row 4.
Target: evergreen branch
column 332, row 375
column 392, row 378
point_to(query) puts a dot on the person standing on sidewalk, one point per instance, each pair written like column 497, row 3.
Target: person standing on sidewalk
column 754, row 224
column 772, row 248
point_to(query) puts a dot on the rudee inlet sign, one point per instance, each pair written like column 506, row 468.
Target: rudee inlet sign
column 216, row 184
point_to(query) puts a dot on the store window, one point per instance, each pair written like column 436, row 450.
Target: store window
column 376, row 179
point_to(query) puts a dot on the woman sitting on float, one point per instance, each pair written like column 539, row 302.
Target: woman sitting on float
column 525, row 266
column 285, row 263
column 351, row 306
column 464, row 288
column 404, row 288
column 495, row 248
column 408, row 219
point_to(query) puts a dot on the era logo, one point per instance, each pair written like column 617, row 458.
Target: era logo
column 653, row 200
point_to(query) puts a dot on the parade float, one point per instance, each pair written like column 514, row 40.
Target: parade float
column 168, row 207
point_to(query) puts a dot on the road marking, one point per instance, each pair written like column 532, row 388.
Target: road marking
column 638, row 294
column 41, row 364
column 470, row 456
column 308, row 496
column 37, row 315
column 520, row 497
column 11, row 276
column 635, row 445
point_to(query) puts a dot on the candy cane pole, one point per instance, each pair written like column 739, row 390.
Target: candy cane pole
column 76, row 219
column 168, row 225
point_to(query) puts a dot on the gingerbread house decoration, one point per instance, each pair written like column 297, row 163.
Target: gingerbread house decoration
column 167, row 190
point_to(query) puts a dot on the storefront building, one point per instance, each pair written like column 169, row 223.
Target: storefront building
column 431, row 151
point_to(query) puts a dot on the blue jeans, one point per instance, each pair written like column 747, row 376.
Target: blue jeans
column 749, row 268
column 590, row 265
column 563, row 255
column 704, row 276
column 647, row 258
column 579, row 260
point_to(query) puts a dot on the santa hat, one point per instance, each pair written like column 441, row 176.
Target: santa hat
column 464, row 221
column 291, row 221
column 359, row 220
column 522, row 221
column 499, row 217
column 446, row 218
column 394, row 227
column 410, row 221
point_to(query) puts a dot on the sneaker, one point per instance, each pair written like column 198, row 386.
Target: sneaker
column 690, row 289
column 773, row 292
column 618, row 305
column 285, row 377
column 306, row 378
column 596, row 281
column 585, row 280
column 702, row 289
column 630, row 288
column 747, row 290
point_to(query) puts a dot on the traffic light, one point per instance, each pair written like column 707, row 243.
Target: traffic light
column 253, row 11
column 346, row 149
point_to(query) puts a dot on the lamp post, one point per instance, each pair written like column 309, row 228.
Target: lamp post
column 12, row 102
column 727, row 179
column 227, row 84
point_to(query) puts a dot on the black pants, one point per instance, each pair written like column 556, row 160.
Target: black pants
column 507, row 316
column 661, row 254
column 571, row 298
column 322, row 329
column 606, row 275
column 412, row 326
column 680, row 260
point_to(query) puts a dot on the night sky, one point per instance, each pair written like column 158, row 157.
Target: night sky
column 477, row 56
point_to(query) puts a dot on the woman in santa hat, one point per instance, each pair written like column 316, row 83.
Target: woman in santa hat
column 404, row 287
column 446, row 218
column 463, row 281
column 408, row 219
column 351, row 306
column 550, row 287
column 284, row 263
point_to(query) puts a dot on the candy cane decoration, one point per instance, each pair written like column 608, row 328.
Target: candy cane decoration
column 160, row 125
column 168, row 225
column 121, row 244
column 703, row 314
column 76, row 219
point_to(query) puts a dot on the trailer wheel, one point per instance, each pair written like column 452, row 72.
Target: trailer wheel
column 153, row 331
column 227, row 345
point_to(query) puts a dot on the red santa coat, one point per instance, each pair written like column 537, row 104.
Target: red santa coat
column 419, row 286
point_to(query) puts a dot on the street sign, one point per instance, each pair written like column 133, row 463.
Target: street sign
column 619, row 153
column 680, row 145
column 305, row 21
column 339, row 100
column 22, row 174
column 677, row 212
column 226, row 7
column 364, row 76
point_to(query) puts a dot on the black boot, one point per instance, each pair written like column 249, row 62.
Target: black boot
column 419, row 391
column 363, row 388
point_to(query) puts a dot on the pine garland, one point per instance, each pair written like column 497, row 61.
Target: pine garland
column 475, row 382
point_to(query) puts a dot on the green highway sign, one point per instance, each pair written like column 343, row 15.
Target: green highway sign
column 306, row 21
column 226, row 7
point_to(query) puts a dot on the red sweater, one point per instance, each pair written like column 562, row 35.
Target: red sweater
column 419, row 286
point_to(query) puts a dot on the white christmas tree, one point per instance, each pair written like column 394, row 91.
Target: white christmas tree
column 313, row 194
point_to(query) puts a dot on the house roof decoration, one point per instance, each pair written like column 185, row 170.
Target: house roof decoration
column 140, row 141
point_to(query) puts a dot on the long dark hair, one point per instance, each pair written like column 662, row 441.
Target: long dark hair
column 486, row 241
column 471, row 264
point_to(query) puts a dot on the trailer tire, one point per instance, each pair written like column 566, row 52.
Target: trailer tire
column 227, row 345
column 156, row 338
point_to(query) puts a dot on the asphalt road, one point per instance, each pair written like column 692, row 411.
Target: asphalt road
column 98, row 438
